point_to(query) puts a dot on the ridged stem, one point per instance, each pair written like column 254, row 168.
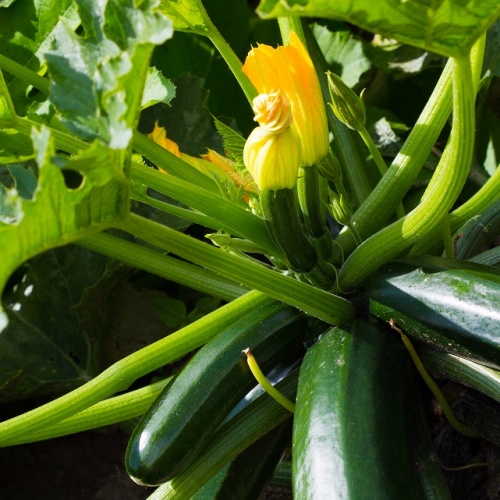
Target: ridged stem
column 309, row 299
column 122, row 374
column 159, row 264
column 440, row 195
column 383, row 200
column 484, row 198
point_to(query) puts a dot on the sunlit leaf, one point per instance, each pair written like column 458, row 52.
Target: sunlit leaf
column 187, row 15
column 98, row 81
column 157, row 89
column 27, row 30
column 343, row 53
column 448, row 27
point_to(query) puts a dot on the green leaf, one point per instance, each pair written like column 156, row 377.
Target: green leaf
column 448, row 27
column 6, row 3
column 157, row 89
column 187, row 15
column 98, row 81
column 134, row 321
column 50, row 346
column 488, row 146
column 343, row 53
column 24, row 179
column 187, row 121
column 171, row 311
column 184, row 53
column 27, row 29
column 58, row 215
column 398, row 59
column 14, row 146
column 232, row 140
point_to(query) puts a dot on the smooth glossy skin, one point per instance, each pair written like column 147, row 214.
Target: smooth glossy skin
column 350, row 440
column 180, row 422
column 456, row 309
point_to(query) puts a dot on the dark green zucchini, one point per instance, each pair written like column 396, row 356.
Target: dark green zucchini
column 181, row 421
column 350, row 435
column 452, row 304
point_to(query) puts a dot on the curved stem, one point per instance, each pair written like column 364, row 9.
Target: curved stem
column 309, row 299
column 450, row 416
column 265, row 384
column 107, row 412
column 442, row 192
column 233, row 62
column 383, row 200
column 231, row 217
column 476, row 204
column 159, row 264
column 122, row 374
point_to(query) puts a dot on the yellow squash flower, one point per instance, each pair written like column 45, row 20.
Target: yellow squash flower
column 272, row 151
column 290, row 71
column 272, row 159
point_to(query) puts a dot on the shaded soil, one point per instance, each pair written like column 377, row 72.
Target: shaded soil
column 83, row 466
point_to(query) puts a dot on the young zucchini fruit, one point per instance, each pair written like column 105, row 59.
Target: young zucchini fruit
column 452, row 304
column 181, row 421
column 350, row 438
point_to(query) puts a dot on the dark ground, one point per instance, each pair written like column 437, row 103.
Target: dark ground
column 86, row 466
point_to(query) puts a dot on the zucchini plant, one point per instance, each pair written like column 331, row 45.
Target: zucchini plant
column 313, row 183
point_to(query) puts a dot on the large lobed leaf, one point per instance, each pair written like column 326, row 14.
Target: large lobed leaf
column 448, row 27
column 58, row 215
column 98, row 81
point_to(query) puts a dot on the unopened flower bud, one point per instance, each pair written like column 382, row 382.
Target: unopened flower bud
column 329, row 167
column 341, row 209
column 346, row 105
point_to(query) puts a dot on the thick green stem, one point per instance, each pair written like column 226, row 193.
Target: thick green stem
column 170, row 163
column 170, row 268
column 122, row 374
column 26, row 75
column 110, row 411
column 447, row 237
column 62, row 141
column 383, row 200
column 231, row 217
column 288, row 24
column 477, row 204
column 442, row 192
column 311, row 300
column 178, row 211
column 281, row 215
